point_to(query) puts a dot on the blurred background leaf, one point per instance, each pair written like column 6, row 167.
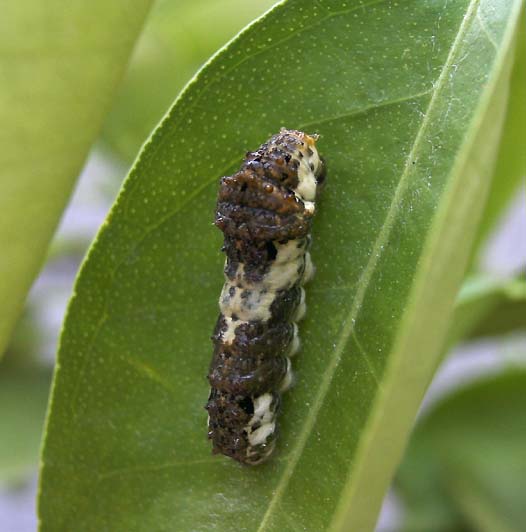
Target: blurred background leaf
column 23, row 399
column 487, row 306
column 465, row 468
column 178, row 38
column 59, row 69
column 510, row 171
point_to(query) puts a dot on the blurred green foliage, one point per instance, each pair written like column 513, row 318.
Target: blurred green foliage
column 510, row 170
column 489, row 307
column 178, row 38
column 23, row 400
column 59, row 68
column 465, row 468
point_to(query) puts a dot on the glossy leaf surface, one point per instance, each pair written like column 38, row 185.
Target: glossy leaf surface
column 408, row 98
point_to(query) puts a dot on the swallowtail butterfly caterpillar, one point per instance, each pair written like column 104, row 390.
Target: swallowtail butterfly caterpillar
column 265, row 211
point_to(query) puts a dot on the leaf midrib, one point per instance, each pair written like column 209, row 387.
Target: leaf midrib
column 198, row 190
column 364, row 280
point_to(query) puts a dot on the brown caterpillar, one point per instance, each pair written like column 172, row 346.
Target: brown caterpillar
column 265, row 211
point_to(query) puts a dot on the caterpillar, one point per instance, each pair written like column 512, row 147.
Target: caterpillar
column 265, row 211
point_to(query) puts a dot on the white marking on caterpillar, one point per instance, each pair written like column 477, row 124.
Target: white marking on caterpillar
column 309, row 272
column 302, row 307
column 263, row 417
column 296, row 342
column 286, row 383
column 267, row 241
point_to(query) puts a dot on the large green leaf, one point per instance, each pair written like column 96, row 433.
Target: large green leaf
column 408, row 98
column 60, row 64
column 465, row 467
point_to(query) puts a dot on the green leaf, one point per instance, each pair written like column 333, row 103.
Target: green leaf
column 23, row 398
column 489, row 307
column 177, row 39
column 60, row 66
column 466, row 463
column 510, row 170
column 408, row 99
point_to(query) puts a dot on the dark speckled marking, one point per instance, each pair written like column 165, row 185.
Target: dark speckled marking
column 260, row 209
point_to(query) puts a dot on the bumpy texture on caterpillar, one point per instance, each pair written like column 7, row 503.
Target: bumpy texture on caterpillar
column 265, row 211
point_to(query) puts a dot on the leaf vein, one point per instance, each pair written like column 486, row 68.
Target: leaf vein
column 374, row 106
column 367, row 358
column 150, row 373
column 366, row 276
column 485, row 30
